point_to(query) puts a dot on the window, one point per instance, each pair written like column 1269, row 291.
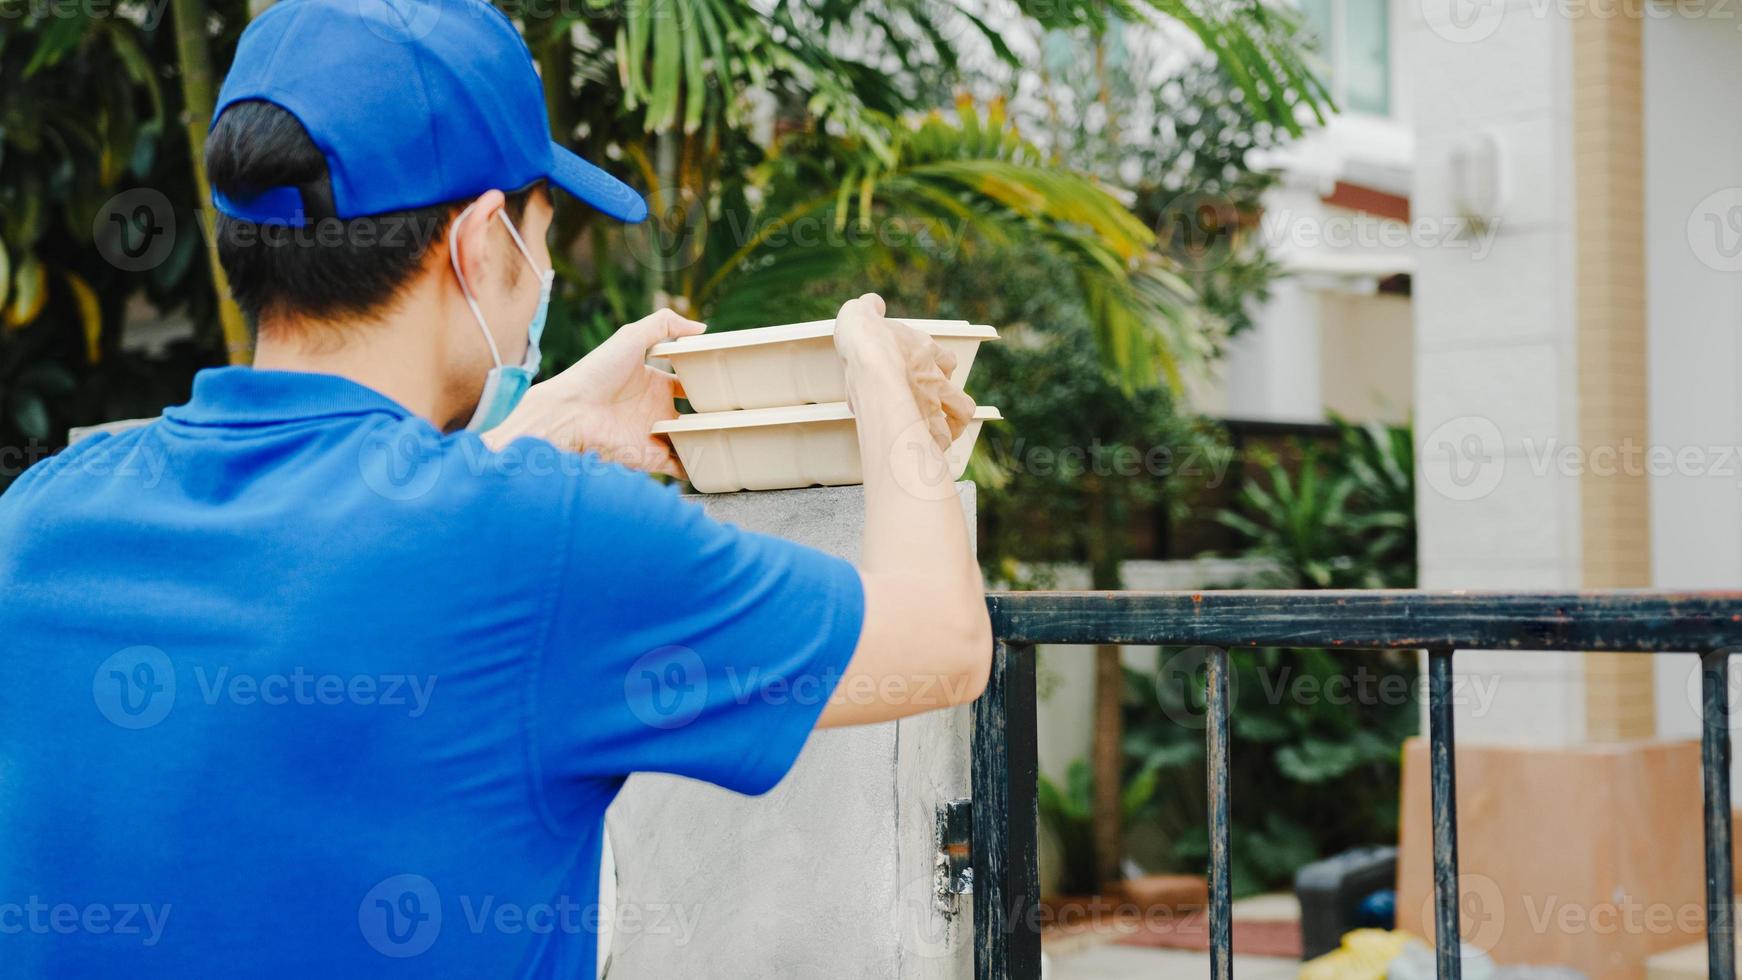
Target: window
column 1354, row 51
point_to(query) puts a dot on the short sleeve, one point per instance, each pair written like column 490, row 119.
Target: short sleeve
column 682, row 645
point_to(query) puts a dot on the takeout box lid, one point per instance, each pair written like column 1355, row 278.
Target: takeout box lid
column 746, row 418
column 809, row 330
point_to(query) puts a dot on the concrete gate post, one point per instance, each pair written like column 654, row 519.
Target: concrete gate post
column 832, row 874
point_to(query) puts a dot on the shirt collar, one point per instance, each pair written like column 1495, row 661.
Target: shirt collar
column 245, row 396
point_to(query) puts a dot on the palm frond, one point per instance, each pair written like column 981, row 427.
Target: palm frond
column 948, row 184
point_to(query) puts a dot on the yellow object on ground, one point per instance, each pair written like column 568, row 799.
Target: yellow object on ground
column 1364, row 955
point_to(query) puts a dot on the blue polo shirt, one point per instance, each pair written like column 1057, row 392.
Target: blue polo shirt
column 292, row 684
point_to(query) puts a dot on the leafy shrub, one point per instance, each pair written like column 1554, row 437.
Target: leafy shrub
column 1315, row 735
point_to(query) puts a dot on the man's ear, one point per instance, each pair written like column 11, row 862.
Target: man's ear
column 471, row 234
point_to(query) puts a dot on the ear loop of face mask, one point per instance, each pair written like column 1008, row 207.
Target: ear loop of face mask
column 506, row 384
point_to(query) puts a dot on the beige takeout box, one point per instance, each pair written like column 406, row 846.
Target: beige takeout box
column 793, row 364
column 785, row 448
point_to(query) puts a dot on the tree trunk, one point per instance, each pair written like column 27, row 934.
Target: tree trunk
column 1107, row 756
column 662, row 281
column 198, row 96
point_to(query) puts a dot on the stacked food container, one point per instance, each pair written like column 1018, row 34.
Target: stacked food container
column 771, row 405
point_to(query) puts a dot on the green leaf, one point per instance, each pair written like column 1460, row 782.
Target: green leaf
column 1316, row 761
column 1138, row 793
column 139, row 67
column 29, row 413
column 58, row 40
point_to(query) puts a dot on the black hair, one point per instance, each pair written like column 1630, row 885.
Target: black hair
column 330, row 267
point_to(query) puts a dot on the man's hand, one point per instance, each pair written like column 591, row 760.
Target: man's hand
column 878, row 351
column 608, row 401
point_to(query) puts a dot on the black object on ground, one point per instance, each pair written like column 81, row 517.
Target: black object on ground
column 1331, row 892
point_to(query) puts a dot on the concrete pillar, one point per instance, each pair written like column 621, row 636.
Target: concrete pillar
column 1496, row 344
column 832, row 874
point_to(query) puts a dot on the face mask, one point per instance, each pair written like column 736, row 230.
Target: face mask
column 506, row 384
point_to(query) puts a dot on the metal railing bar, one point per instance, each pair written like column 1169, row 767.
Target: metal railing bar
column 1006, row 844
column 1221, row 844
column 1444, row 781
column 1715, row 771
column 1620, row 621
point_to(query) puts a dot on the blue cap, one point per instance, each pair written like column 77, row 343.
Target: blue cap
column 413, row 102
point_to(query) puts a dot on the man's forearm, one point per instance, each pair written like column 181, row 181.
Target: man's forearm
column 913, row 517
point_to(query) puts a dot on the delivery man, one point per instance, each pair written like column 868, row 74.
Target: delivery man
column 313, row 675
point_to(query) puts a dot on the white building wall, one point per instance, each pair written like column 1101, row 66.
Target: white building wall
column 1693, row 215
column 1495, row 340
column 1271, row 371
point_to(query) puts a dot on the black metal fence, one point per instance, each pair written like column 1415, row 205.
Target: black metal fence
column 1005, row 763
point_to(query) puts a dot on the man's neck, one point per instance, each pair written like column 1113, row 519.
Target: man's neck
column 395, row 355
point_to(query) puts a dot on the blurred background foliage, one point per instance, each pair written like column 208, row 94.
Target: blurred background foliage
column 795, row 152
column 785, row 146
